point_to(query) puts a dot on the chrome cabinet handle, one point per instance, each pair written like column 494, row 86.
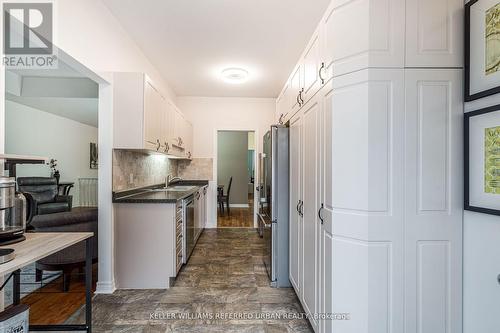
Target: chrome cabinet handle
column 158, row 144
column 301, row 212
column 298, row 101
column 297, row 208
column 319, row 213
column 320, row 72
column 280, row 121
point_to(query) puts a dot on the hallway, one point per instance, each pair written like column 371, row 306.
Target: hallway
column 225, row 275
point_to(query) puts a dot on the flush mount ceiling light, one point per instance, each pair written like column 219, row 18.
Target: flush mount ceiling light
column 234, row 75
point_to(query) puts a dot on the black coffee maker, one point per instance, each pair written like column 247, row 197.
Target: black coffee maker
column 12, row 212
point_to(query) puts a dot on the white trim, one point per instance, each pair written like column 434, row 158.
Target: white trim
column 239, row 206
column 256, row 176
column 107, row 287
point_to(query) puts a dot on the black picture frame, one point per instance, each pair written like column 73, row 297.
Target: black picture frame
column 467, row 95
column 467, row 116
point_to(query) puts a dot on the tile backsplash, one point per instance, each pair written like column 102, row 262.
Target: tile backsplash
column 196, row 169
column 146, row 169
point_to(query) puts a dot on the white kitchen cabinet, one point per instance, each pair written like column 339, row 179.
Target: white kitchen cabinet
column 153, row 115
column 434, row 33
column 189, row 140
column 433, row 200
column 372, row 158
column 282, row 105
column 146, row 245
column 296, row 90
column 200, row 211
column 361, row 200
column 167, row 128
column 137, row 115
column 182, row 140
column 358, row 34
column 296, row 183
column 144, row 120
column 310, row 225
column 312, row 64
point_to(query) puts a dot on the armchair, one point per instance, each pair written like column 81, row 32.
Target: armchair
column 42, row 196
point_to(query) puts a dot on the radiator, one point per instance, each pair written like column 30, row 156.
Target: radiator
column 87, row 191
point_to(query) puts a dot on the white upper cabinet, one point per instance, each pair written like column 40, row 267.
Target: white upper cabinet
column 357, row 34
column 154, row 108
column 145, row 120
column 282, row 105
column 296, row 90
column 434, row 33
column 311, row 62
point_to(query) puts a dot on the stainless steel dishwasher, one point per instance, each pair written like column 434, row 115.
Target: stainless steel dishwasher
column 189, row 227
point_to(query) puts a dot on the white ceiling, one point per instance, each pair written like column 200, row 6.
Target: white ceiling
column 190, row 42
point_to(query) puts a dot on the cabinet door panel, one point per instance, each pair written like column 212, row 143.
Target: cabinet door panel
column 434, row 33
column 152, row 115
column 295, row 89
column 310, row 221
column 433, row 214
column 295, row 198
column 359, row 34
column 312, row 63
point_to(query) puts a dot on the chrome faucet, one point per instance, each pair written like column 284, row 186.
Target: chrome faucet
column 171, row 179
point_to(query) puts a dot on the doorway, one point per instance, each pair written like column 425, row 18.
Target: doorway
column 236, row 174
column 54, row 113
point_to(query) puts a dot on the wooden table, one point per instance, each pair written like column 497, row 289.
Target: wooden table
column 38, row 246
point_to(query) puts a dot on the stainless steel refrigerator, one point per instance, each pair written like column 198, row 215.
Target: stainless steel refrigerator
column 274, row 201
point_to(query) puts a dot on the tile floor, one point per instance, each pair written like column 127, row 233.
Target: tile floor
column 225, row 275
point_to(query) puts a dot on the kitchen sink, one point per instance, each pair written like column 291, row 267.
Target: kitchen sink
column 179, row 188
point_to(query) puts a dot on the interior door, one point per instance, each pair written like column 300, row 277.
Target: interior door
column 310, row 230
column 295, row 201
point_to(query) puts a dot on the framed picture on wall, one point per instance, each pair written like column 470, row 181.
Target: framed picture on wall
column 482, row 48
column 482, row 160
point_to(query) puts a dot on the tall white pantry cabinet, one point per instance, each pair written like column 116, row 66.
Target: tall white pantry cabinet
column 375, row 112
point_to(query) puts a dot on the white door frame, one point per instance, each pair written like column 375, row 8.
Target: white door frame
column 256, row 152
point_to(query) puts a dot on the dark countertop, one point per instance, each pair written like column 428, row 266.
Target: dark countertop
column 148, row 195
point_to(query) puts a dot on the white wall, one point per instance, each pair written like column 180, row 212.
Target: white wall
column 92, row 35
column 209, row 114
column 481, row 260
column 34, row 132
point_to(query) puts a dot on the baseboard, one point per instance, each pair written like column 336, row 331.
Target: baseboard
column 239, row 206
column 107, row 287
